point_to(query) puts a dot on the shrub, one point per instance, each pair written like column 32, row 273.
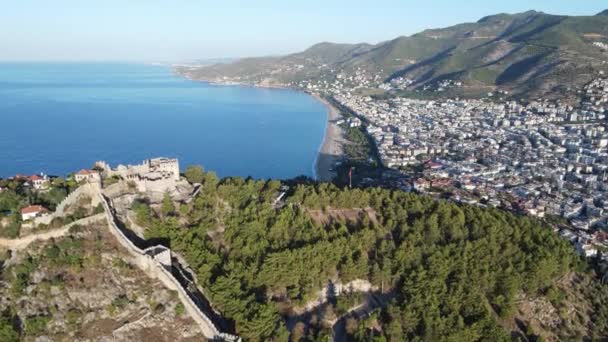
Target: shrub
column 179, row 309
column 22, row 275
column 98, row 209
column 111, row 180
column 8, row 333
column 11, row 231
column 195, row 174
column 36, row 325
column 118, row 303
column 120, row 264
column 72, row 317
column 76, row 228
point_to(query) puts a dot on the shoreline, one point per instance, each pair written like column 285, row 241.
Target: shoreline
column 330, row 151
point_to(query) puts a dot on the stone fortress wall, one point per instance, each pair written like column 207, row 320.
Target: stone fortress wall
column 152, row 175
column 89, row 189
column 156, row 262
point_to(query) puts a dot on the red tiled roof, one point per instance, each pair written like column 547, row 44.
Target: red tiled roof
column 432, row 164
column 34, row 178
column 442, row 182
column 33, row 209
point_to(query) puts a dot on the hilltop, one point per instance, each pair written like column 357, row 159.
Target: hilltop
column 528, row 53
column 293, row 260
column 83, row 286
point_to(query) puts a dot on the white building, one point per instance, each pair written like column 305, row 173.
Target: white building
column 32, row 211
column 87, row 175
column 39, row 182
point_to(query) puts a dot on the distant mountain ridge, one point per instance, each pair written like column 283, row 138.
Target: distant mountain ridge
column 530, row 52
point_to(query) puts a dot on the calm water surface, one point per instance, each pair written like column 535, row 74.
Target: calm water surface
column 58, row 118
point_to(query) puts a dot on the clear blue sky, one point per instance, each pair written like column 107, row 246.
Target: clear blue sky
column 173, row 30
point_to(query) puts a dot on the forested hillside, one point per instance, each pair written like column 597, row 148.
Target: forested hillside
column 527, row 53
column 439, row 271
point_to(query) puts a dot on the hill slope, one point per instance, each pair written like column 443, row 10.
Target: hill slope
column 528, row 52
column 83, row 287
column 431, row 270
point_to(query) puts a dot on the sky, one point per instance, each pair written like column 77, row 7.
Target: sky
column 184, row 30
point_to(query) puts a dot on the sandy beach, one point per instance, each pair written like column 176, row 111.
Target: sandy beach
column 331, row 150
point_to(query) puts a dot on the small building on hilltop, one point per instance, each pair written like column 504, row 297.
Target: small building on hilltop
column 152, row 175
column 87, row 175
column 33, row 211
column 39, row 182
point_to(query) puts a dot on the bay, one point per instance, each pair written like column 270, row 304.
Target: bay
column 58, row 118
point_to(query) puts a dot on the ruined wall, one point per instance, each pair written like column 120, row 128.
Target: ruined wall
column 154, row 261
column 86, row 190
column 155, row 269
column 160, row 185
column 151, row 169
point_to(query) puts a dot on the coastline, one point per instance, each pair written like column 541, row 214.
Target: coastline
column 330, row 151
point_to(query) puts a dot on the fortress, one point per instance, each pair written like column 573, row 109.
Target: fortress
column 152, row 175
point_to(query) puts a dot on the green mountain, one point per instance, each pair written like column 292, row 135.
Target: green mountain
column 527, row 52
column 530, row 52
column 313, row 63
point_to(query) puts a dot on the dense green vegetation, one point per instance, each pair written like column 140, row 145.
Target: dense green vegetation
column 17, row 193
column 8, row 332
column 450, row 270
column 359, row 148
column 194, row 174
column 12, row 197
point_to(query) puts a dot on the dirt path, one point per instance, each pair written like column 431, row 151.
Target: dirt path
column 372, row 302
column 21, row 243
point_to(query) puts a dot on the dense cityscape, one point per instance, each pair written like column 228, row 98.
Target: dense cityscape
column 540, row 158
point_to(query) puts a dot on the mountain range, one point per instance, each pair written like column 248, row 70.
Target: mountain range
column 526, row 53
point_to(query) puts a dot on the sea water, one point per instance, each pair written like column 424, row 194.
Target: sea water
column 58, row 118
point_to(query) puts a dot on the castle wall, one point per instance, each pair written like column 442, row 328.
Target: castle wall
column 155, row 175
column 155, row 268
column 90, row 189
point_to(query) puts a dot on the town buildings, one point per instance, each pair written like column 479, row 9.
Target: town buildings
column 540, row 158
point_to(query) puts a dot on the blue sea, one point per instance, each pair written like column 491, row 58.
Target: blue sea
column 58, row 118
